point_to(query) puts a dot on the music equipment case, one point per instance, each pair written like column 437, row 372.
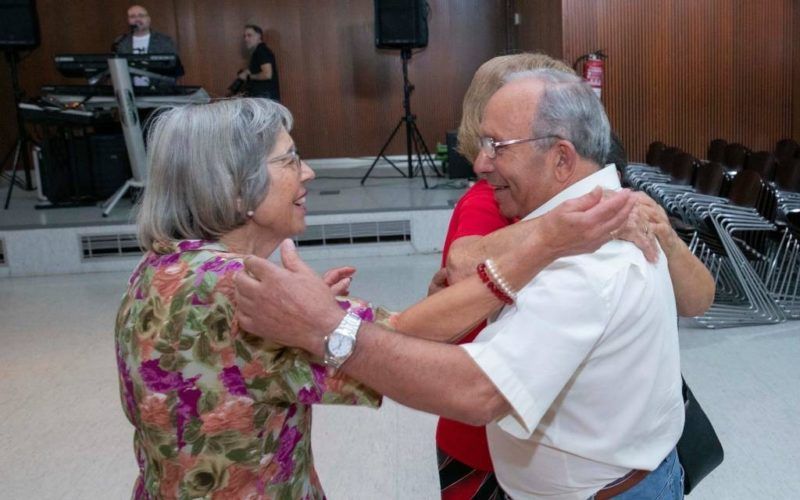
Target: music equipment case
column 458, row 167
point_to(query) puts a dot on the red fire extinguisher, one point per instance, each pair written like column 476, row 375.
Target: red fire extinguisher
column 593, row 69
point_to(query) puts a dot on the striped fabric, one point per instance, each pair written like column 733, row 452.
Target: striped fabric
column 459, row 481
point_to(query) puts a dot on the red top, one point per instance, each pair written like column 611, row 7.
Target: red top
column 476, row 214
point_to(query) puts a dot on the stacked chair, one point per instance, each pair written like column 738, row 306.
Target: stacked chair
column 716, row 150
column 786, row 149
column 734, row 210
column 783, row 279
column 736, row 156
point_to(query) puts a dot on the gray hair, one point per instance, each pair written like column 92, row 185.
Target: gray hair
column 206, row 168
column 569, row 109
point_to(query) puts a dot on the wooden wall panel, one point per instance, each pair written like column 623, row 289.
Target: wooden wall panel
column 688, row 71
column 540, row 28
column 345, row 94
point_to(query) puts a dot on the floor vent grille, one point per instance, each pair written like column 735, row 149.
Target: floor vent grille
column 103, row 246
column 355, row 233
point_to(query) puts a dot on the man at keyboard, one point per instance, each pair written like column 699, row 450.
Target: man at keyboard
column 141, row 40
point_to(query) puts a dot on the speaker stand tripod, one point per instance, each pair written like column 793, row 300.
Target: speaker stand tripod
column 22, row 147
column 415, row 144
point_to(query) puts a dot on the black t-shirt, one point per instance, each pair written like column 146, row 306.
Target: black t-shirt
column 263, row 88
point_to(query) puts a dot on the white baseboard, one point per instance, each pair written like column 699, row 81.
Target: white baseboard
column 356, row 162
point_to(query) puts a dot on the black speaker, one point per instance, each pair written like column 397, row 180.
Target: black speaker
column 19, row 24
column 110, row 165
column 401, row 24
column 458, row 167
column 64, row 169
column 54, row 172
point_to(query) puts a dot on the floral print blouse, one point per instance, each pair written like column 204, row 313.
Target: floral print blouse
column 219, row 413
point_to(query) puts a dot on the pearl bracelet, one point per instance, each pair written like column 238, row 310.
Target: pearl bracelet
column 487, row 272
column 501, row 283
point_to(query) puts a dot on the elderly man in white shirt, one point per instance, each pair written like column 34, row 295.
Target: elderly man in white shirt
column 579, row 379
column 589, row 358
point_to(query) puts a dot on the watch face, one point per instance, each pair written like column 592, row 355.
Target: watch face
column 340, row 345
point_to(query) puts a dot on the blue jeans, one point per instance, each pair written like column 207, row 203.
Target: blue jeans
column 664, row 483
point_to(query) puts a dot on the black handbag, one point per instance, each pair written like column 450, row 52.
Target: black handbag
column 699, row 449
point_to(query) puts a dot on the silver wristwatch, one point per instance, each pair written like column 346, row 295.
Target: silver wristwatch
column 340, row 343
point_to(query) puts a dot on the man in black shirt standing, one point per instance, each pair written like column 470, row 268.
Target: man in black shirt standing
column 261, row 75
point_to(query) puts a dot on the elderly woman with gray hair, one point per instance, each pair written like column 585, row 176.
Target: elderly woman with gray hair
column 219, row 412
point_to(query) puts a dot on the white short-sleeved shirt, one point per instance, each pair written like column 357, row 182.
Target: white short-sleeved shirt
column 588, row 360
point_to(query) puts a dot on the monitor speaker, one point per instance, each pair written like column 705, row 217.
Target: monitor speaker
column 457, row 166
column 110, row 165
column 401, row 24
column 19, row 25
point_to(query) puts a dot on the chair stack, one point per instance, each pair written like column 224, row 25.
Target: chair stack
column 733, row 210
column 786, row 179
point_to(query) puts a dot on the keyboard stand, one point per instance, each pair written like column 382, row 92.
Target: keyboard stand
column 99, row 77
column 110, row 203
column 131, row 128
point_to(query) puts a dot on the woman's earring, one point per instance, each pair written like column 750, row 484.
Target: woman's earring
column 249, row 214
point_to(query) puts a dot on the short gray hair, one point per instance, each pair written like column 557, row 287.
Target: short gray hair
column 570, row 109
column 207, row 168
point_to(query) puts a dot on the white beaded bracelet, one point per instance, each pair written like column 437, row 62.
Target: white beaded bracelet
column 501, row 283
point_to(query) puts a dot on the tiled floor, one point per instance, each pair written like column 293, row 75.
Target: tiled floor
column 63, row 435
